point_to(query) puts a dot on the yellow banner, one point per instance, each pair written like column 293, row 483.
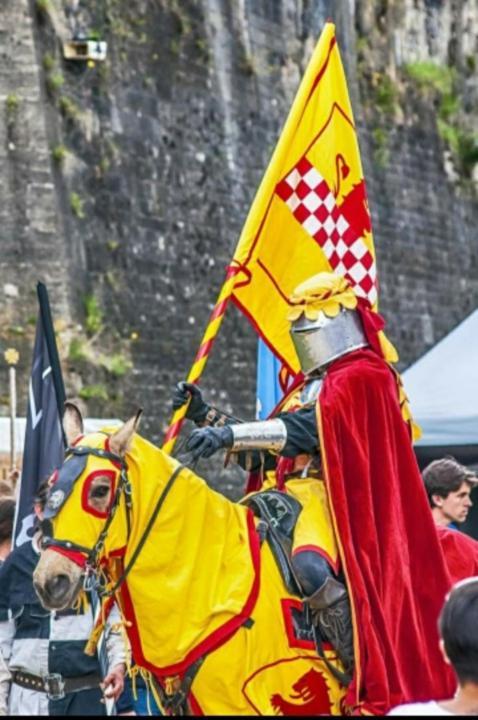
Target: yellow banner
column 310, row 213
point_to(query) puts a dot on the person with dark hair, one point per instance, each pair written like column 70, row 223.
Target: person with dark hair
column 458, row 629
column 7, row 516
column 448, row 485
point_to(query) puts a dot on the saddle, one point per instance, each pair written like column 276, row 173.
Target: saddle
column 279, row 512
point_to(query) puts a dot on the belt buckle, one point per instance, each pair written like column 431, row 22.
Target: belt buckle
column 54, row 686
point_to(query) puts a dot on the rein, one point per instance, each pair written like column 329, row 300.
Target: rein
column 91, row 571
column 146, row 532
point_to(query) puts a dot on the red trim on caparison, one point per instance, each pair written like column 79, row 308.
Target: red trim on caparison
column 335, row 564
column 108, row 449
column 216, row 638
column 111, row 475
column 76, row 440
column 194, row 705
column 119, row 552
column 289, row 604
column 74, row 555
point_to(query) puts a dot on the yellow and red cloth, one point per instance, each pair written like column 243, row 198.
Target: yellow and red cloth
column 310, row 213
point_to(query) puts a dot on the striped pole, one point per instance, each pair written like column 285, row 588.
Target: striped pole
column 202, row 354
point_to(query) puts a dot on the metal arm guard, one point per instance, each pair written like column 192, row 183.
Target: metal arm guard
column 262, row 435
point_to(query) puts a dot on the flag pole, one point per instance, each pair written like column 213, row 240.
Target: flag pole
column 202, row 355
column 11, row 356
column 49, row 332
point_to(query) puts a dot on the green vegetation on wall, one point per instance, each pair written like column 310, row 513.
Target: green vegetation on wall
column 440, row 81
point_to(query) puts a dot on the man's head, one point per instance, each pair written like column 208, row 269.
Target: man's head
column 459, row 630
column 448, row 485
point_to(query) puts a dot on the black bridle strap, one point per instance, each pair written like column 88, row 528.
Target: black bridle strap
column 98, row 452
column 123, row 485
column 91, row 553
column 147, row 530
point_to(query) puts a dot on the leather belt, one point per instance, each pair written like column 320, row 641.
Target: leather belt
column 54, row 684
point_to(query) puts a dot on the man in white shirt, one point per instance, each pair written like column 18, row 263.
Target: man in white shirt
column 459, row 643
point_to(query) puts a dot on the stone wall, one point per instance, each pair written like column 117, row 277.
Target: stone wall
column 124, row 186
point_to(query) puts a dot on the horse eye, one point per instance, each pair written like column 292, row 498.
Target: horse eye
column 100, row 492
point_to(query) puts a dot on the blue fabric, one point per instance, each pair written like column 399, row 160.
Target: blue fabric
column 141, row 704
column 268, row 388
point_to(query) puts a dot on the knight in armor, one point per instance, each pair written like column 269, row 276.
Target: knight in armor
column 340, row 442
column 286, row 450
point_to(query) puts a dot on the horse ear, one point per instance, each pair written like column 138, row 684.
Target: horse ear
column 72, row 422
column 120, row 441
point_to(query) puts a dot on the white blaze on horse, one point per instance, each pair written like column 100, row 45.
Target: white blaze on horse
column 206, row 609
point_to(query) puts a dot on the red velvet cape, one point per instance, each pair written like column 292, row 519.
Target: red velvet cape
column 389, row 547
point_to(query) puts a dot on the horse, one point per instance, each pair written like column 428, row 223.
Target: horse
column 208, row 615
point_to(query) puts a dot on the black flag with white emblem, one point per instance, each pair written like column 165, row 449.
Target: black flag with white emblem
column 44, row 441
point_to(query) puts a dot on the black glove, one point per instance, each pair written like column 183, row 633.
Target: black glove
column 204, row 442
column 197, row 409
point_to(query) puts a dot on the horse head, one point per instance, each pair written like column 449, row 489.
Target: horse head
column 86, row 515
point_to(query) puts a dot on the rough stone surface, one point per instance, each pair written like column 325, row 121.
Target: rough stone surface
column 158, row 154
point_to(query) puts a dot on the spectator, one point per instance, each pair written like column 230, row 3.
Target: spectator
column 458, row 629
column 448, row 485
column 7, row 515
column 44, row 650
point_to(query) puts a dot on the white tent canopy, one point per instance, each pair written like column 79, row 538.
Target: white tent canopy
column 443, row 388
column 91, row 425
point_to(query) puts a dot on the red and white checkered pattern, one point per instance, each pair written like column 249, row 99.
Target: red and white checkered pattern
column 310, row 200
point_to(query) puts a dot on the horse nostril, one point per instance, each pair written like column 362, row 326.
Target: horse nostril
column 57, row 586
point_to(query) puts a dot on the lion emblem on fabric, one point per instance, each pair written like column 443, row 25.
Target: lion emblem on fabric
column 311, row 697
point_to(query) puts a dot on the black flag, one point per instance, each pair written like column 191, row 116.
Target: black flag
column 44, row 441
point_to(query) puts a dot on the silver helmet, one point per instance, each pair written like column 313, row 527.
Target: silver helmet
column 318, row 342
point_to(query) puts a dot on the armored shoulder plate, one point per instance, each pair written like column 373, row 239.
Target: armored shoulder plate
column 310, row 391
